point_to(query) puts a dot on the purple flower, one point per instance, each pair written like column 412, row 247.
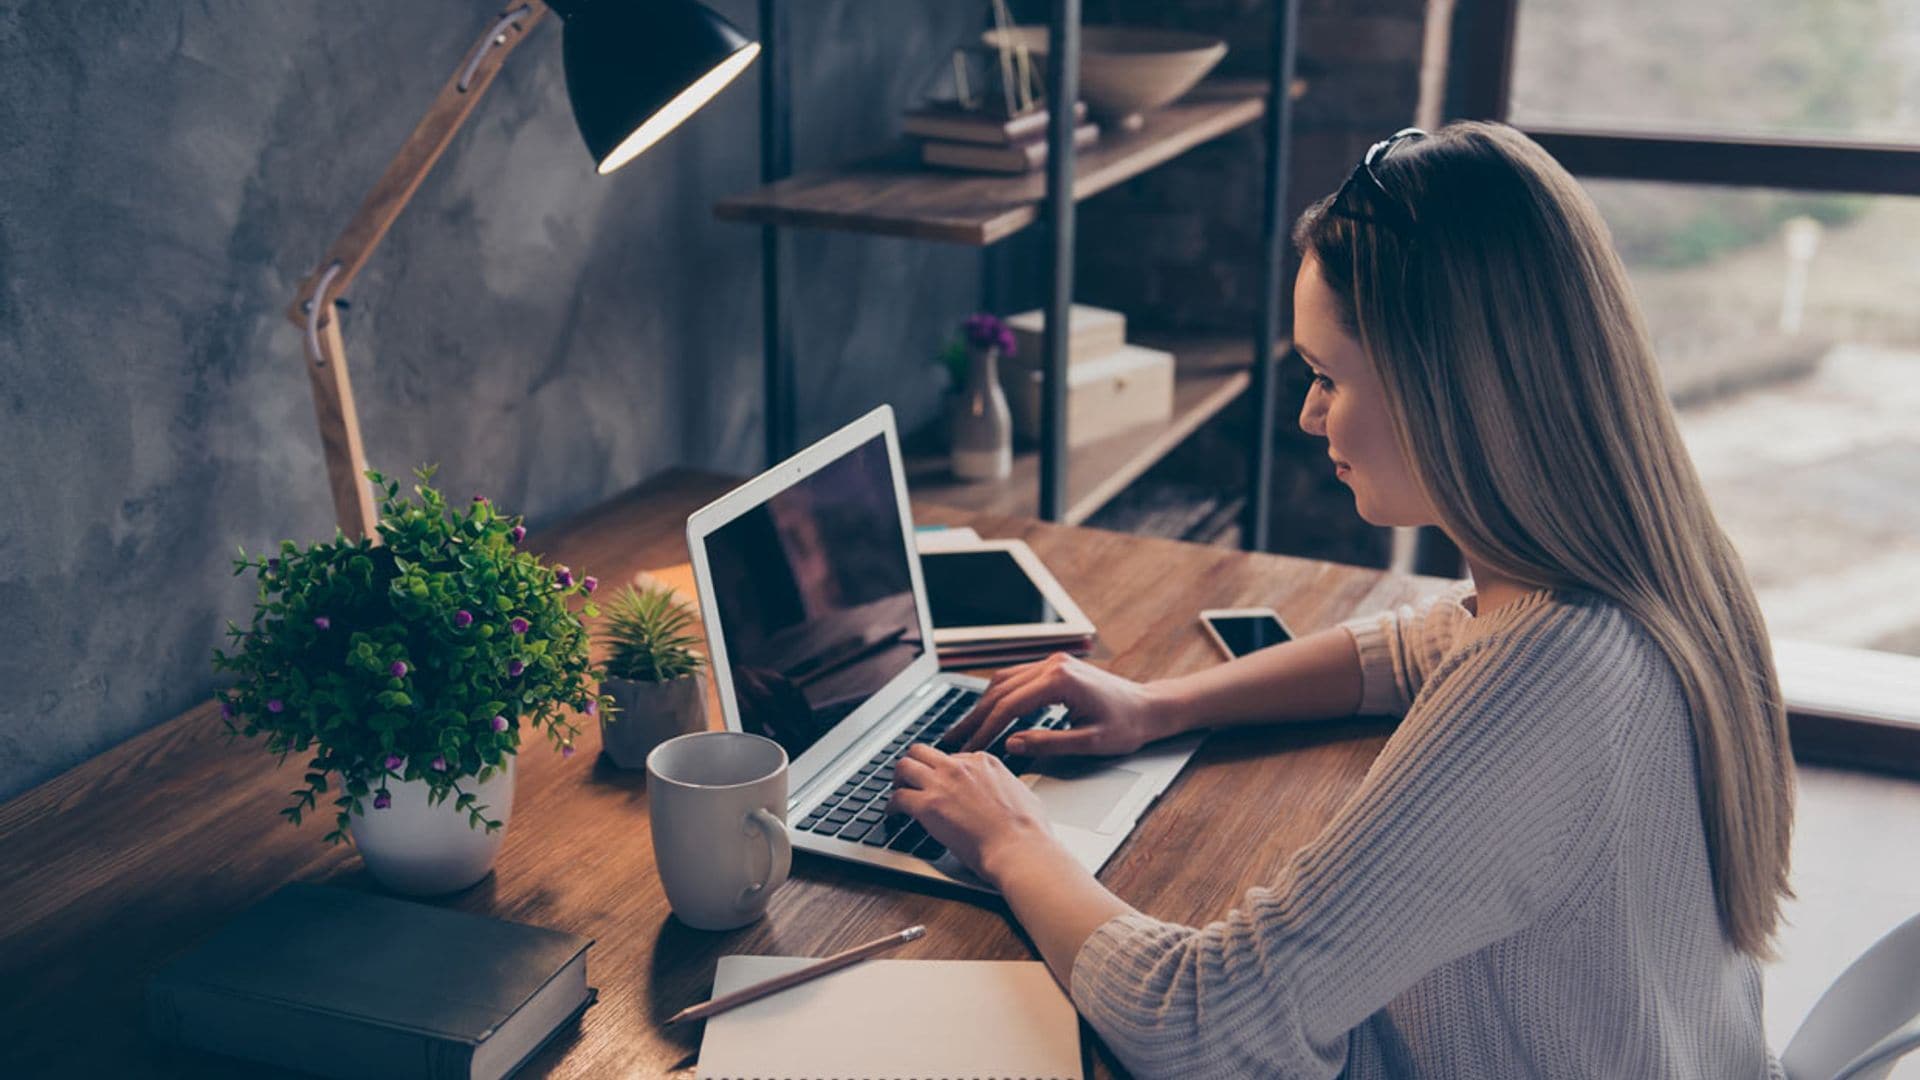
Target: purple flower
column 463, row 618
column 593, row 707
column 321, row 622
column 590, row 583
column 563, row 578
column 983, row 330
column 398, row 669
column 499, row 723
column 382, row 800
column 275, row 705
column 226, row 709
column 519, row 533
column 566, row 750
column 439, row 763
column 273, row 566
column 519, row 625
column 480, row 499
column 515, row 667
column 393, row 762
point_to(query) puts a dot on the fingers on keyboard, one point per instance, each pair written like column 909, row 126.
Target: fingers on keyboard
column 856, row 811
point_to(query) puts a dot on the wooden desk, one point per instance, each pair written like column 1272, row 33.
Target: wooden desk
column 116, row 865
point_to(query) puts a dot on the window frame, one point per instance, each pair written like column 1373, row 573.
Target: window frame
column 1479, row 79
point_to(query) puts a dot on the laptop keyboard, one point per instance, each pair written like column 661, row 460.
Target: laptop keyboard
column 857, row 809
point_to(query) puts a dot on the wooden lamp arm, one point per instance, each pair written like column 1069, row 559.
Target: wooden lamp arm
column 418, row 154
column 312, row 307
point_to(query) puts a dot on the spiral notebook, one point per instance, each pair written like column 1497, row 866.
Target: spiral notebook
column 887, row 1019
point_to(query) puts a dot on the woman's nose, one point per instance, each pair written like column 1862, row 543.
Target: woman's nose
column 1313, row 413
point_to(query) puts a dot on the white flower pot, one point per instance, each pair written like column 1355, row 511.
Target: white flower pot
column 421, row 850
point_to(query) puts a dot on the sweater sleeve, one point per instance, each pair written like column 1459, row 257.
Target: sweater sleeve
column 1399, row 648
column 1468, row 827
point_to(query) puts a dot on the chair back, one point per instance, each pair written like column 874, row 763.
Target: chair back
column 1868, row 1019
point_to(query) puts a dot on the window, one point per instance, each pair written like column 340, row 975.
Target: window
column 1807, row 68
column 1759, row 164
column 1789, row 334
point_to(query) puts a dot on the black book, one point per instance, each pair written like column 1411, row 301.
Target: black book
column 349, row 984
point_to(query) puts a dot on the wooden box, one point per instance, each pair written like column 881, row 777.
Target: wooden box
column 1128, row 387
column 1092, row 333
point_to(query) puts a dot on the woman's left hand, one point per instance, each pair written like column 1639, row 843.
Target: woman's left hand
column 969, row 802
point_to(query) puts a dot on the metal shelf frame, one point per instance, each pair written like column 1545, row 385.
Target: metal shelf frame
column 1064, row 33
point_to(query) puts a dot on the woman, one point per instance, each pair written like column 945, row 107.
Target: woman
column 1573, row 849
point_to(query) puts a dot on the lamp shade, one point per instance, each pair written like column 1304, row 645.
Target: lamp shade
column 636, row 68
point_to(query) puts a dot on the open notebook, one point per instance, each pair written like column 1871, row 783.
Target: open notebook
column 882, row 1019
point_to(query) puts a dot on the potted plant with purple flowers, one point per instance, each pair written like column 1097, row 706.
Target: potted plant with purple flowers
column 979, row 426
column 411, row 670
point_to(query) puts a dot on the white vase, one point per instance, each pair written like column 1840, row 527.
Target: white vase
column 979, row 426
column 421, row 850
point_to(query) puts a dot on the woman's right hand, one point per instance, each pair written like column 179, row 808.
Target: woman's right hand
column 1109, row 714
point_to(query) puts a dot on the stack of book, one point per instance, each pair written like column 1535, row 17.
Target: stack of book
column 976, row 140
column 986, row 655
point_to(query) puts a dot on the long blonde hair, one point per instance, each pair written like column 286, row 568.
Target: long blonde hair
column 1527, row 399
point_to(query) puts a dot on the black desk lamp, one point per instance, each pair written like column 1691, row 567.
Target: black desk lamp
column 635, row 70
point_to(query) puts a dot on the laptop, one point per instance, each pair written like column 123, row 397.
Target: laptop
column 820, row 638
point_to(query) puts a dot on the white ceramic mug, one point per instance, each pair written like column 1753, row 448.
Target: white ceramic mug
column 718, row 800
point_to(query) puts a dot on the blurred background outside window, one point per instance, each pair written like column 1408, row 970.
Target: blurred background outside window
column 1787, row 323
column 1825, row 69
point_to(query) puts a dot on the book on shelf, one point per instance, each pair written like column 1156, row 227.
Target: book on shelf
column 344, row 983
column 951, row 121
column 1016, row 158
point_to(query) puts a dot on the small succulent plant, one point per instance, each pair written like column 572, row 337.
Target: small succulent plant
column 648, row 636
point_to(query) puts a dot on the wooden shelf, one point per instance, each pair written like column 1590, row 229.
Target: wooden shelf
column 1210, row 374
column 896, row 196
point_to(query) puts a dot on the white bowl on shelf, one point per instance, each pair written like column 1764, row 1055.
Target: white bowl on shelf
column 1126, row 70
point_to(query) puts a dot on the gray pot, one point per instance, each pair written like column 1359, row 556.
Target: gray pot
column 649, row 714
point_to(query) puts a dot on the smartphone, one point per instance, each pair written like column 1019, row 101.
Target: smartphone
column 1239, row 631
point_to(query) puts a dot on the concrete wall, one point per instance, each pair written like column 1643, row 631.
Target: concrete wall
column 169, row 171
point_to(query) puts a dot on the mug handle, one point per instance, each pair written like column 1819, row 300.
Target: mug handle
column 779, row 855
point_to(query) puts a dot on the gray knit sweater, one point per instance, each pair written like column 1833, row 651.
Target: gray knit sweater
column 1519, row 888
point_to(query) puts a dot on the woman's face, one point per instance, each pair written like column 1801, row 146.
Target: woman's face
column 1347, row 407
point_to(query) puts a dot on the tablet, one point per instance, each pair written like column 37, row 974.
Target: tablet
column 995, row 591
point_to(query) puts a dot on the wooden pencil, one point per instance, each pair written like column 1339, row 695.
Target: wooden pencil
column 794, row 978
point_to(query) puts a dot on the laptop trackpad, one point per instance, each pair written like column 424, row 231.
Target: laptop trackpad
column 1085, row 800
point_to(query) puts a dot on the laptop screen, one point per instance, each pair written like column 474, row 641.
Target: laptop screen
column 815, row 598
